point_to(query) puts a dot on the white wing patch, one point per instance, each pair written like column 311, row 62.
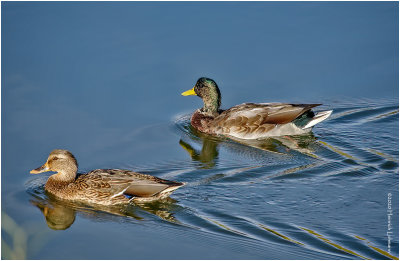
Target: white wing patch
column 119, row 194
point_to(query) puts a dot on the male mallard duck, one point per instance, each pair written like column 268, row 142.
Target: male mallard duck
column 101, row 186
column 250, row 120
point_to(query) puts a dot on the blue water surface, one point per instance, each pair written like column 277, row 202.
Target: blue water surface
column 103, row 80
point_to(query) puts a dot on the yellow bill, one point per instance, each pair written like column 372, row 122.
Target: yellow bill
column 41, row 169
column 189, row 92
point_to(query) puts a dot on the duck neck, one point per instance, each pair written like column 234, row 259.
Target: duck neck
column 210, row 110
column 211, row 105
column 65, row 176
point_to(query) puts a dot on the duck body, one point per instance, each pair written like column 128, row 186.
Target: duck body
column 258, row 120
column 101, row 186
column 112, row 186
column 250, row 120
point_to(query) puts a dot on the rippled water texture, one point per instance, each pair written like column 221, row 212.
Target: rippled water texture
column 104, row 82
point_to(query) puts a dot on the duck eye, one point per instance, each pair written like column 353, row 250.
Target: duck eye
column 54, row 158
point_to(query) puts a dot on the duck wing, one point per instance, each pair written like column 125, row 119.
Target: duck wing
column 250, row 118
column 131, row 183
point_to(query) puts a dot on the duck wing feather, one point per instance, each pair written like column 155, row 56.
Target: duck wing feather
column 129, row 182
column 258, row 117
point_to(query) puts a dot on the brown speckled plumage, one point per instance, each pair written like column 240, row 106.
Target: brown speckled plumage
column 101, row 186
column 249, row 120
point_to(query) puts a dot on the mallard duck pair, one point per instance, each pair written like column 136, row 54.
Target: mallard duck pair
column 244, row 121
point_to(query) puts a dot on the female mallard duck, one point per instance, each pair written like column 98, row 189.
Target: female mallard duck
column 101, row 186
column 250, row 120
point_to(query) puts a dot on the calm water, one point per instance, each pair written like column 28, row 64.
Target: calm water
column 104, row 80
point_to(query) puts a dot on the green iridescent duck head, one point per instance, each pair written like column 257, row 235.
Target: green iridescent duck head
column 208, row 91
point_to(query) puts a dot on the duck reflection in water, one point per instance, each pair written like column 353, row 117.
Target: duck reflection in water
column 304, row 144
column 208, row 155
column 61, row 214
column 58, row 216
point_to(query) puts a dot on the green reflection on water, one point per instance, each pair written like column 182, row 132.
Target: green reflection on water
column 18, row 248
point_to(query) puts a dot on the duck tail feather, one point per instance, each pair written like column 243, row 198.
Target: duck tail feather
column 320, row 116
